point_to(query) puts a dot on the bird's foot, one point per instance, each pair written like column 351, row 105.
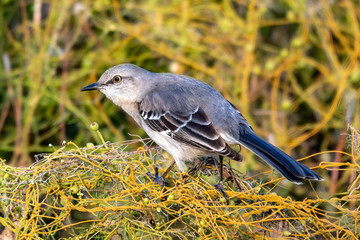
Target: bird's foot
column 160, row 179
column 220, row 188
column 203, row 163
column 156, row 178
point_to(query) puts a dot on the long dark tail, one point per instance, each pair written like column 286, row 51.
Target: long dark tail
column 286, row 165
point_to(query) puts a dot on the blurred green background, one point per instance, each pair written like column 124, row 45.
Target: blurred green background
column 290, row 67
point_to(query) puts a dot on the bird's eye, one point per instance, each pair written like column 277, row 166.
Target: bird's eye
column 116, row 79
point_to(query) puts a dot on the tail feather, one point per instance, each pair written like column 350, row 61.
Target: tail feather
column 286, row 165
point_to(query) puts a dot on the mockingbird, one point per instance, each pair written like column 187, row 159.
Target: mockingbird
column 190, row 119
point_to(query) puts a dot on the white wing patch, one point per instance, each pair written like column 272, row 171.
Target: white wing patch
column 193, row 128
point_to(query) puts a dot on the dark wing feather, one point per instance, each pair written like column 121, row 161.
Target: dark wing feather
column 191, row 127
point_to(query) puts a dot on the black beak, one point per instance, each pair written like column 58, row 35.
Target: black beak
column 93, row 86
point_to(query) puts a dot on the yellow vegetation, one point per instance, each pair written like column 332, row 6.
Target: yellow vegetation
column 105, row 192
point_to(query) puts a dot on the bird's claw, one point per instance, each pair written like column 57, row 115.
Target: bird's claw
column 220, row 188
column 156, row 178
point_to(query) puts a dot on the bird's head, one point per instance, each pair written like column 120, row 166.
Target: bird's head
column 122, row 83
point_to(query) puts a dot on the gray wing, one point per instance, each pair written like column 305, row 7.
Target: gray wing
column 184, row 123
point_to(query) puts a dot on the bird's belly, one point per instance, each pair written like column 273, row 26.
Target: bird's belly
column 181, row 152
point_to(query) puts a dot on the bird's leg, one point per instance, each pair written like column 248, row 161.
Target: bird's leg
column 220, row 185
column 168, row 169
column 161, row 179
column 221, row 158
column 204, row 161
